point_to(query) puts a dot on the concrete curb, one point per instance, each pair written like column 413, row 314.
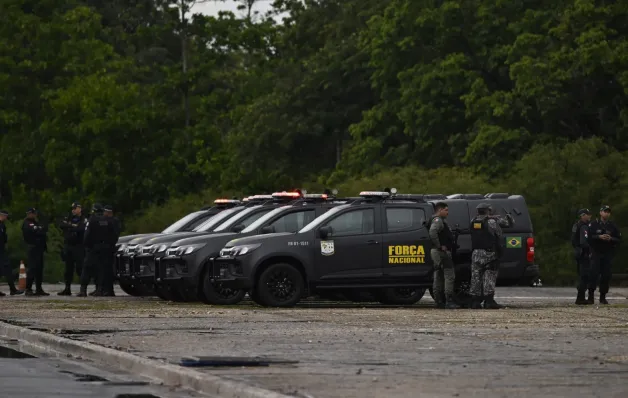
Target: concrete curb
column 170, row 375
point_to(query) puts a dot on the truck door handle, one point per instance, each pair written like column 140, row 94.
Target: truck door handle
column 371, row 242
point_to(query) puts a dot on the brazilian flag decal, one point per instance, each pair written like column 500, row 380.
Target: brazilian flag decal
column 513, row 242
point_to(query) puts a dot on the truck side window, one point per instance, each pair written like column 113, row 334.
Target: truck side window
column 356, row 222
column 404, row 219
column 293, row 222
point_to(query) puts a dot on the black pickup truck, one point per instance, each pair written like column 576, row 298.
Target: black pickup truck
column 378, row 244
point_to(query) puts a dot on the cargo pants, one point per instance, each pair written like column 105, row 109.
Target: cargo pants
column 444, row 275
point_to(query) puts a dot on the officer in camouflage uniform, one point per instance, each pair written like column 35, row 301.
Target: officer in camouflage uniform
column 442, row 245
column 487, row 241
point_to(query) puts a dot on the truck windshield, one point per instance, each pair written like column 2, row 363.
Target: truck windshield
column 321, row 219
column 177, row 225
column 260, row 221
column 245, row 218
column 217, row 219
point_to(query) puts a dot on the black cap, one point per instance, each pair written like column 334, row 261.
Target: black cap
column 582, row 212
column 97, row 207
column 606, row 208
column 108, row 208
column 75, row 205
column 31, row 210
column 4, row 213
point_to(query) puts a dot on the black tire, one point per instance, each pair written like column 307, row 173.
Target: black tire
column 165, row 293
column 187, row 295
column 136, row 290
column 400, row 296
column 280, row 285
column 216, row 294
column 462, row 293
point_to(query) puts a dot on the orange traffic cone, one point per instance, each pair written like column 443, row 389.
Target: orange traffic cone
column 22, row 280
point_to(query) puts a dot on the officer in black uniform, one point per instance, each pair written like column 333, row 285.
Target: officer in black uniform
column 107, row 270
column 604, row 238
column 73, row 228
column 100, row 238
column 582, row 253
column 5, row 266
column 35, row 237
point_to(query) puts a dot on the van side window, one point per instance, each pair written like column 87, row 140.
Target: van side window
column 356, row 222
column 404, row 219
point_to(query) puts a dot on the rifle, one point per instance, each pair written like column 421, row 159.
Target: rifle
column 456, row 232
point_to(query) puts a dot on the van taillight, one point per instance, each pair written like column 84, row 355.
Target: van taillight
column 530, row 250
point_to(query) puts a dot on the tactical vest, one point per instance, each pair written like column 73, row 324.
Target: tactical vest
column 575, row 234
column 481, row 237
column 3, row 237
column 445, row 236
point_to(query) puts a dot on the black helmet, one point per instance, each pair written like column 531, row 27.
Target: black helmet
column 484, row 206
column 97, row 208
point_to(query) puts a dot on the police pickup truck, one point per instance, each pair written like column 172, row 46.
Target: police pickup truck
column 185, row 266
column 378, row 244
column 233, row 220
column 129, row 246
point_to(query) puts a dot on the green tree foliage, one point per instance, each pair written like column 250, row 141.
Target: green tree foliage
column 154, row 108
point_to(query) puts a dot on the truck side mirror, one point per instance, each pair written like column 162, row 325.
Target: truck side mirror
column 237, row 228
column 268, row 229
column 324, row 232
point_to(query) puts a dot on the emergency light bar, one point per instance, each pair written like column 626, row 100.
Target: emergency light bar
column 258, row 197
column 377, row 194
column 225, row 201
column 285, row 194
column 315, row 196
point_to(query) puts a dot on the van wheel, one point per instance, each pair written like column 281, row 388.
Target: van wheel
column 215, row 293
column 280, row 285
column 400, row 295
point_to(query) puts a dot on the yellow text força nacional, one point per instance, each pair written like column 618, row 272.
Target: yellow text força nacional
column 406, row 254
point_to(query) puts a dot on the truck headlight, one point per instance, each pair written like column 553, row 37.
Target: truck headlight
column 244, row 249
column 189, row 249
column 121, row 247
column 161, row 249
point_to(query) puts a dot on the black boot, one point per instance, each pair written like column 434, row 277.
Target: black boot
column 476, row 302
column 66, row 291
column 603, row 298
column 29, row 292
column 590, row 298
column 83, row 292
column 2, row 294
column 14, row 291
column 580, row 300
column 490, row 303
column 40, row 292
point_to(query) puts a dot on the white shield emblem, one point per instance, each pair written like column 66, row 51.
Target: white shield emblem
column 327, row 247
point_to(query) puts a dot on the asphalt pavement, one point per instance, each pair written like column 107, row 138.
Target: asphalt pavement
column 541, row 344
column 22, row 376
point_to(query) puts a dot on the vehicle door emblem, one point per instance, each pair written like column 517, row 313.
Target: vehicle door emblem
column 327, row 247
